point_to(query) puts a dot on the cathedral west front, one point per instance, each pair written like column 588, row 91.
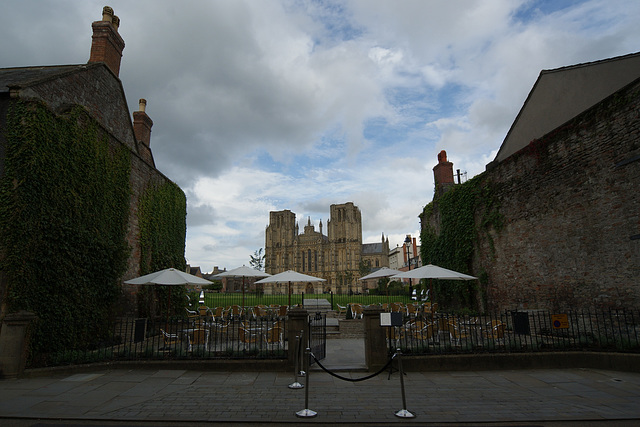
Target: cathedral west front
column 339, row 257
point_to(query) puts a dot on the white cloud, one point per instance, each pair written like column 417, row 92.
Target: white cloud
column 261, row 106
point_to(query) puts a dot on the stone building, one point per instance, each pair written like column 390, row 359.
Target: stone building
column 407, row 256
column 336, row 257
column 97, row 89
column 565, row 184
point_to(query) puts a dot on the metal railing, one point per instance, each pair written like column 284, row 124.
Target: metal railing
column 192, row 337
column 517, row 331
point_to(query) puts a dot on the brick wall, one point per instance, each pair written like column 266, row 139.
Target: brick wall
column 571, row 204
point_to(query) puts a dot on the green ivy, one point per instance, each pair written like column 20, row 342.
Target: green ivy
column 163, row 225
column 64, row 205
column 454, row 246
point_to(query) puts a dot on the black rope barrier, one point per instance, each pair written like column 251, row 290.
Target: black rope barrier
column 384, row 368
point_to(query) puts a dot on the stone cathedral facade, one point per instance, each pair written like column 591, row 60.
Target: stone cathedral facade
column 336, row 257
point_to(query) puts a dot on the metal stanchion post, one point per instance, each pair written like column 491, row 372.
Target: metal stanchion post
column 302, row 372
column 296, row 384
column 403, row 413
column 306, row 413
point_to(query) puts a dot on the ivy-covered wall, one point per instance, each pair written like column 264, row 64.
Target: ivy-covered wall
column 451, row 226
column 162, row 222
column 64, row 206
column 79, row 213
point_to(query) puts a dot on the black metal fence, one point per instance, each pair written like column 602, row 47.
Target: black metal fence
column 517, row 331
column 230, row 336
column 260, row 333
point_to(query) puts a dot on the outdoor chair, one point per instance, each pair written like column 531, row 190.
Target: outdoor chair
column 274, row 335
column 193, row 317
column 247, row 337
column 259, row 312
column 495, row 331
column 202, row 310
column 198, row 337
column 443, row 323
column 342, row 309
column 169, row 340
column 236, row 311
column 412, row 310
column 282, row 310
column 397, row 307
column 219, row 330
column 457, row 334
column 217, row 313
column 424, row 333
column 357, row 311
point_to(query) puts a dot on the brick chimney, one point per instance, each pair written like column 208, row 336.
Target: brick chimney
column 443, row 173
column 107, row 45
column 142, row 124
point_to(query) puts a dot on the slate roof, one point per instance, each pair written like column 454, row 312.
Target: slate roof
column 371, row 248
column 560, row 94
column 27, row 76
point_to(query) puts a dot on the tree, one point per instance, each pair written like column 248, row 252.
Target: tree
column 364, row 267
column 257, row 260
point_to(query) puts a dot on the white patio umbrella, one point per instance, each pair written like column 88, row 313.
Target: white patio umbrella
column 168, row 277
column 431, row 272
column 290, row 276
column 243, row 272
column 383, row 272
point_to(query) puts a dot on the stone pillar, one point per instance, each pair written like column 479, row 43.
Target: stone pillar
column 375, row 343
column 13, row 343
column 297, row 320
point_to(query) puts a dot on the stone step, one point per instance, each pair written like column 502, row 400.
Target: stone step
column 316, row 305
column 353, row 328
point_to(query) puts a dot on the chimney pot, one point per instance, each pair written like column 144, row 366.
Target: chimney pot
column 442, row 156
column 116, row 22
column 107, row 14
column 142, row 105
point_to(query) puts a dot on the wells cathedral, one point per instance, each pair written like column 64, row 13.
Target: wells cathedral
column 337, row 257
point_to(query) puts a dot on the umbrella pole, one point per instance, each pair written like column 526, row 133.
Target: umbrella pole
column 289, row 291
column 431, row 297
column 166, row 325
column 388, row 303
column 242, row 293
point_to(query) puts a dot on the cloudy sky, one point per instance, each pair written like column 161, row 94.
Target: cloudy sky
column 298, row 104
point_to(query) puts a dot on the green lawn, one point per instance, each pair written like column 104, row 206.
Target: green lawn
column 228, row 299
